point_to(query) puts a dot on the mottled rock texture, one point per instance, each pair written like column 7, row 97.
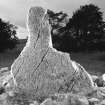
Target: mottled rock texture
column 40, row 70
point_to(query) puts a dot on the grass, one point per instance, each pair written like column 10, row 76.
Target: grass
column 94, row 63
column 7, row 58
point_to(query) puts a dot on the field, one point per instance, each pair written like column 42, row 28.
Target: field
column 94, row 63
column 7, row 58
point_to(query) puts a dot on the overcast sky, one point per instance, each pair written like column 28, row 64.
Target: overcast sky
column 15, row 11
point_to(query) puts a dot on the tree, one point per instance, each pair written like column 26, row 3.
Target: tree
column 58, row 22
column 8, row 40
column 88, row 26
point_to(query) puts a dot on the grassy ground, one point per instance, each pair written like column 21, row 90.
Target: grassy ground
column 7, row 58
column 94, row 63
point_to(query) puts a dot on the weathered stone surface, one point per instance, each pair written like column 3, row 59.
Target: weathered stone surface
column 16, row 99
column 93, row 101
column 74, row 99
column 100, row 81
column 94, row 77
column 102, row 103
column 71, row 99
column 40, row 70
column 34, row 103
column 49, row 102
column 67, row 99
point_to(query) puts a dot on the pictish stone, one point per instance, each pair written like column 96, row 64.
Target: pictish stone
column 40, row 70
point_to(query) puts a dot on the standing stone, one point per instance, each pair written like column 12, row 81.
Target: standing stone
column 40, row 70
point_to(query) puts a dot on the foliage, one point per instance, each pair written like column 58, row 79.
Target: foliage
column 8, row 40
column 88, row 27
column 58, row 22
column 85, row 30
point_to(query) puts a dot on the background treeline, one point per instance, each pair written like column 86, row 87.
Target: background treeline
column 8, row 39
column 84, row 31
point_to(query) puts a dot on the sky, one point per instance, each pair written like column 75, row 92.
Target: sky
column 15, row 11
